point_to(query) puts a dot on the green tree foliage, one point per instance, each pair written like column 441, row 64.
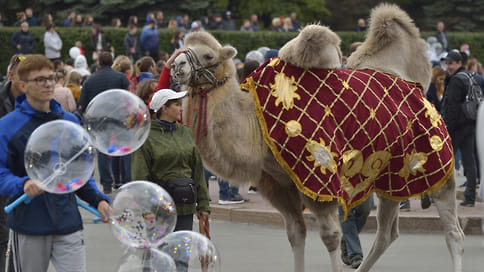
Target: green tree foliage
column 307, row 10
column 458, row 15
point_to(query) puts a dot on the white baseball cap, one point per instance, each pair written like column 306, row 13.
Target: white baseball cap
column 162, row 96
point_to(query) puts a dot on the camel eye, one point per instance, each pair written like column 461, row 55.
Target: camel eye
column 208, row 57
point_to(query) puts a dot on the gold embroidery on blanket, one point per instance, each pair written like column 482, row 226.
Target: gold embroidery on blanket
column 274, row 62
column 372, row 114
column 436, row 143
column 353, row 164
column 284, row 89
column 293, row 128
column 321, row 155
column 327, row 110
column 413, row 162
column 249, row 84
column 432, row 113
column 375, row 163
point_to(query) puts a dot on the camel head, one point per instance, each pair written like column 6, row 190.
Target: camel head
column 314, row 47
column 206, row 64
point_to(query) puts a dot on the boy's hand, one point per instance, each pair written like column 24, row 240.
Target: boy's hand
column 31, row 189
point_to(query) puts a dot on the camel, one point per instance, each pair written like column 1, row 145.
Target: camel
column 233, row 145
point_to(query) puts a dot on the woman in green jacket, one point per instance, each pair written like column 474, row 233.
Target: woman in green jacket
column 171, row 159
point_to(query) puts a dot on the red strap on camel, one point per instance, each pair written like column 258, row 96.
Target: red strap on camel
column 202, row 113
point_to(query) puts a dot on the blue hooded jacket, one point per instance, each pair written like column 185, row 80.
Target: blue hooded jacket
column 46, row 214
column 149, row 39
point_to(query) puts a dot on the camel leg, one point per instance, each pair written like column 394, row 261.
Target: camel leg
column 387, row 232
column 329, row 228
column 445, row 201
column 285, row 198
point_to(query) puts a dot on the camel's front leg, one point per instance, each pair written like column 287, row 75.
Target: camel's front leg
column 445, row 201
column 329, row 229
column 285, row 198
column 387, row 232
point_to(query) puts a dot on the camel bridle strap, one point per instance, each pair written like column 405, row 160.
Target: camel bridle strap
column 198, row 71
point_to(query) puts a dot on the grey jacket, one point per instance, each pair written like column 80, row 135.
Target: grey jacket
column 7, row 101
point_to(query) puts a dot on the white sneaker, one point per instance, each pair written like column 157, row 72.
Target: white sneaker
column 230, row 201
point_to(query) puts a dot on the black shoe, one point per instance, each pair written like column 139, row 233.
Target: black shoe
column 116, row 186
column 463, row 184
column 467, row 203
column 252, row 190
column 425, row 202
column 356, row 262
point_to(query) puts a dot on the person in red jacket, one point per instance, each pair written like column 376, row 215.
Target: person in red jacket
column 164, row 81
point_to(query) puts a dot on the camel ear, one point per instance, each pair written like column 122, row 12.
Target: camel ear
column 227, row 52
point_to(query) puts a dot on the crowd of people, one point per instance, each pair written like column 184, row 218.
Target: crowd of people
column 145, row 71
column 216, row 21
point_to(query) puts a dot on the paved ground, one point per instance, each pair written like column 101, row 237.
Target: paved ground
column 251, row 247
column 249, row 237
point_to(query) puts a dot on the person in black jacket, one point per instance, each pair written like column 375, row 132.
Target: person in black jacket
column 461, row 130
column 441, row 35
column 22, row 40
column 131, row 44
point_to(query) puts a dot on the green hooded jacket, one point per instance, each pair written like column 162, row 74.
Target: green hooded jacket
column 171, row 154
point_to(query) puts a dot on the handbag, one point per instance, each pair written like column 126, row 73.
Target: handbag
column 182, row 190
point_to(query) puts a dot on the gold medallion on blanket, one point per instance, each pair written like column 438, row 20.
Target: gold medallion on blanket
column 342, row 134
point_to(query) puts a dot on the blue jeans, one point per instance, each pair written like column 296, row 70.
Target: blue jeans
column 353, row 225
column 121, row 169
column 226, row 192
column 456, row 159
column 207, row 174
column 105, row 170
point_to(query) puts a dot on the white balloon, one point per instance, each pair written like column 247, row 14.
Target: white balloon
column 74, row 52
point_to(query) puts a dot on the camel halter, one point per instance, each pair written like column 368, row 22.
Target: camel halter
column 199, row 72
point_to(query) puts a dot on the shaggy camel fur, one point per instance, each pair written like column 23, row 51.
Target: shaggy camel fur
column 224, row 121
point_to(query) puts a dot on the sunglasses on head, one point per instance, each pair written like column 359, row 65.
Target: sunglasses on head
column 18, row 59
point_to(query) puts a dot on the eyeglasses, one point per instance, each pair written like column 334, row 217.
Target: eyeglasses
column 41, row 81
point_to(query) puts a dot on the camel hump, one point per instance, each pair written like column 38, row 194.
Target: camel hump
column 316, row 46
column 387, row 21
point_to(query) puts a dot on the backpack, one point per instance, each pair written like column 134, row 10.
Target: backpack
column 474, row 97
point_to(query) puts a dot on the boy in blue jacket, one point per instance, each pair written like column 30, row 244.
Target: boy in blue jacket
column 49, row 228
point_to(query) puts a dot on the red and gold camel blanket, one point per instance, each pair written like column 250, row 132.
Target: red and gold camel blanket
column 346, row 133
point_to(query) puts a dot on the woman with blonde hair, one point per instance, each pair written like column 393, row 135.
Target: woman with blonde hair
column 123, row 64
column 73, row 82
column 436, row 88
column 62, row 94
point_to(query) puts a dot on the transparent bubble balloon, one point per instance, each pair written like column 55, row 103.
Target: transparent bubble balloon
column 191, row 251
column 59, row 157
column 118, row 122
column 142, row 214
column 146, row 260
